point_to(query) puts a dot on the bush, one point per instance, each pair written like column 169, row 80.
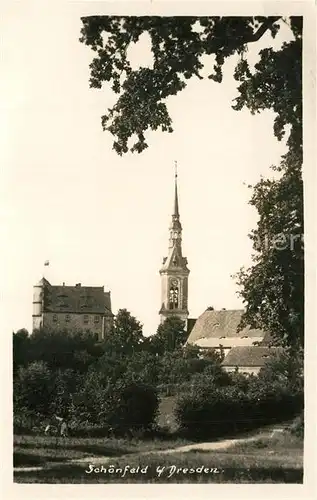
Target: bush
column 121, row 409
column 25, row 422
column 211, row 412
column 218, row 411
column 297, row 427
column 33, row 389
column 135, row 408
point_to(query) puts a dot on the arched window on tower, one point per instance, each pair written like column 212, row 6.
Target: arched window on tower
column 174, row 294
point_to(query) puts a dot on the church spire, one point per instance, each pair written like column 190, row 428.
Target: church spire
column 174, row 271
column 176, row 209
column 175, row 227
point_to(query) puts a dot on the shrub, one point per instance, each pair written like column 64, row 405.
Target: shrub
column 217, row 411
column 26, row 422
column 134, row 408
column 121, row 408
column 297, row 427
column 33, row 389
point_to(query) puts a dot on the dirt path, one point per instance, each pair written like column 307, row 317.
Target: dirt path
column 214, row 446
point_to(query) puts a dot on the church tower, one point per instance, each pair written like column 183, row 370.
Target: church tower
column 174, row 271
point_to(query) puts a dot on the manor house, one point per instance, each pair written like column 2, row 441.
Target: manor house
column 73, row 308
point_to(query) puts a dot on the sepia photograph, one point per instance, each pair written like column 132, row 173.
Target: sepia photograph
column 154, row 228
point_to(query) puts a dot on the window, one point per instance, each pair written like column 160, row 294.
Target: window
column 86, row 318
column 67, row 318
column 55, row 318
column 173, row 294
column 96, row 319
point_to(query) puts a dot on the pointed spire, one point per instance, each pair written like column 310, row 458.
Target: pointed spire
column 176, row 210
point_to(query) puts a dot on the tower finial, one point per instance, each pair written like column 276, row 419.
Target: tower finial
column 176, row 210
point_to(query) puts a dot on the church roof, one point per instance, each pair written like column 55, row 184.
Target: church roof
column 249, row 356
column 220, row 327
column 76, row 299
column 175, row 260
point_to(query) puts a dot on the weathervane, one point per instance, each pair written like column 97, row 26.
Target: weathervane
column 175, row 165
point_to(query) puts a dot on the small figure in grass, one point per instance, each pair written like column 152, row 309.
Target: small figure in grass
column 51, row 429
column 64, row 429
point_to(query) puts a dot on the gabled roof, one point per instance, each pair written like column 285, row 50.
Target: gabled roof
column 249, row 356
column 175, row 260
column 76, row 299
column 221, row 324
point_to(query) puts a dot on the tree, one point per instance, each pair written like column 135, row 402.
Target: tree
column 126, row 336
column 21, row 342
column 170, row 335
column 64, row 349
column 66, row 383
column 178, row 44
column 34, row 389
column 285, row 368
column 143, row 367
column 273, row 287
column 122, row 405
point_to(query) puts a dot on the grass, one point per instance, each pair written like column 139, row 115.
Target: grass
column 279, row 444
column 176, row 468
column 265, row 460
column 38, row 450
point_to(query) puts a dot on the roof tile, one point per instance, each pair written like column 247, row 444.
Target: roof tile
column 224, row 323
column 76, row 299
column 249, row 355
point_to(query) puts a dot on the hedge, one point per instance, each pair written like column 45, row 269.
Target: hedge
column 222, row 411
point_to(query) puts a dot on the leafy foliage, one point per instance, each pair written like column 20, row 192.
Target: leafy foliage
column 126, row 336
column 273, row 288
column 298, row 427
column 34, row 389
column 285, row 368
column 177, row 45
column 110, row 386
column 63, row 349
column 170, row 335
column 21, row 342
column 218, row 411
column 119, row 406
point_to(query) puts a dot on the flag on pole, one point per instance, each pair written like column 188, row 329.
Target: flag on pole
column 47, row 263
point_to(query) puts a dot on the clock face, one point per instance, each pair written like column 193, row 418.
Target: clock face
column 174, row 282
column 175, row 235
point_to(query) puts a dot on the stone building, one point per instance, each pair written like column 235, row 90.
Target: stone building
column 74, row 308
column 248, row 359
column 246, row 350
column 219, row 329
column 174, row 271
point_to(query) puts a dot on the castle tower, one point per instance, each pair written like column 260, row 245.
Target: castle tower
column 174, row 271
column 38, row 304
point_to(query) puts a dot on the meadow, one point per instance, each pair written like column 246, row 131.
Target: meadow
column 276, row 459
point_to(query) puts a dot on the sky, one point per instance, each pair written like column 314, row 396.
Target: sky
column 101, row 219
